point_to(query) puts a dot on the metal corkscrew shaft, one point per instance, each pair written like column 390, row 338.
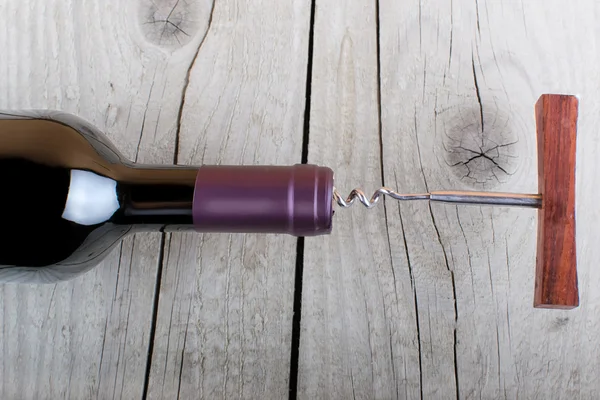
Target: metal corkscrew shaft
column 459, row 197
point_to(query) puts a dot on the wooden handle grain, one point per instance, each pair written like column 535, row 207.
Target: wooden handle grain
column 556, row 266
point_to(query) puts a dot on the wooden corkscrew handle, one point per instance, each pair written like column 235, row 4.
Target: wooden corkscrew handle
column 556, row 264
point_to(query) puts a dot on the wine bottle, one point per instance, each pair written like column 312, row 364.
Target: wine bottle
column 69, row 196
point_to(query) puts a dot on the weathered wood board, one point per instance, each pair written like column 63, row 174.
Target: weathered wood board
column 458, row 83
column 224, row 326
column 401, row 301
column 108, row 63
column 356, row 303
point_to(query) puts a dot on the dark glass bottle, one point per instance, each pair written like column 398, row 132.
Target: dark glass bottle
column 68, row 197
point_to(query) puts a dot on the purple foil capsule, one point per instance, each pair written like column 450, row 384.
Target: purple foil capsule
column 297, row 199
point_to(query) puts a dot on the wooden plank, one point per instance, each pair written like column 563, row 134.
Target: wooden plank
column 556, row 264
column 459, row 86
column 225, row 313
column 89, row 338
column 358, row 337
column 453, row 75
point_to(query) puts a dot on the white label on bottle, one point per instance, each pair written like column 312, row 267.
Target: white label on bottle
column 92, row 198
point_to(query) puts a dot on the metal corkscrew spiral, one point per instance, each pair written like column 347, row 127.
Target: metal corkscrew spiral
column 370, row 203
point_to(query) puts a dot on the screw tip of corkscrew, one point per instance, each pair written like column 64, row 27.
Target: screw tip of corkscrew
column 370, row 203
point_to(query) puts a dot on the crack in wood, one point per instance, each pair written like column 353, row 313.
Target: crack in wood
column 137, row 150
column 454, row 300
column 152, row 337
column 299, row 268
column 186, row 85
column 415, row 299
column 477, row 92
column 187, row 325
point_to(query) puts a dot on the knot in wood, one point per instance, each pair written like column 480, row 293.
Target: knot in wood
column 172, row 24
column 481, row 146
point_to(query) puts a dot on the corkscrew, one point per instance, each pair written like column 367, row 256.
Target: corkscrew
column 556, row 283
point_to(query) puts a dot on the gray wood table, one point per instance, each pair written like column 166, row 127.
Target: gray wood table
column 403, row 301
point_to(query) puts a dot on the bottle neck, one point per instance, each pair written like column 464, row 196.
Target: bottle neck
column 148, row 198
column 159, row 197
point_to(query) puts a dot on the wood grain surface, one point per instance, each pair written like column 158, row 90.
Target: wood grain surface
column 358, row 329
column 403, row 301
column 556, row 264
column 225, row 306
